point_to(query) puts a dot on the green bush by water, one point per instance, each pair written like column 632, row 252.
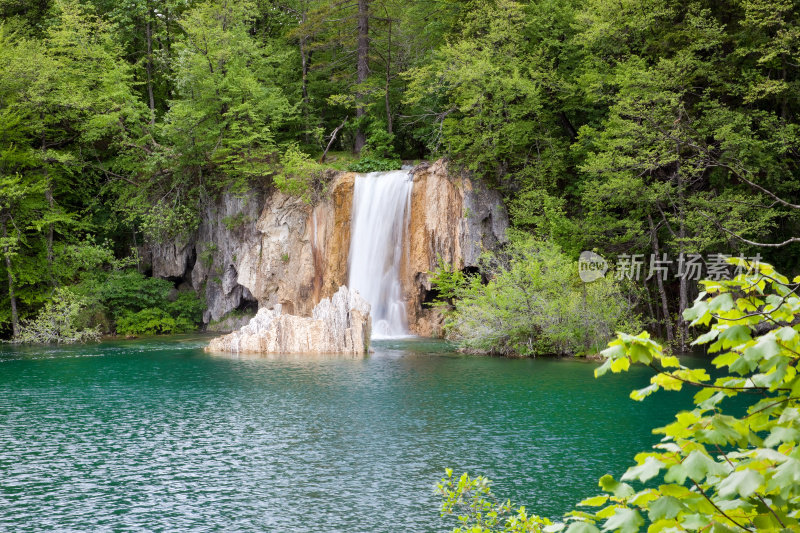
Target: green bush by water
column 100, row 294
column 533, row 304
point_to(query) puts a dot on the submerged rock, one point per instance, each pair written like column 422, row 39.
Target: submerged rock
column 340, row 324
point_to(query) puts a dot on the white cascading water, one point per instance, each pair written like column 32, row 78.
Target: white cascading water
column 381, row 206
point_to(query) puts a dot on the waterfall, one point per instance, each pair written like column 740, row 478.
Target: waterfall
column 381, row 206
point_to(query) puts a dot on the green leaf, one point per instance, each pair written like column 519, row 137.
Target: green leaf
column 620, row 365
column 766, row 348
column 641, row 394
column 624, row 520
column 620, row 490
column 639, row 354
column 706, row 337
column 743, row 482
column 602, row 369
column 582, row 527
column 781, row 434
column 698, row 465
column 723, row 302
column 664, row 507
column 734, row 336
column 645, row 471
column 725, row 359
column 596, row 501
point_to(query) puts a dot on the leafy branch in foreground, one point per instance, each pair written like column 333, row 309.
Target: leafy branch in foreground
column 471, row 499
column 716, row 471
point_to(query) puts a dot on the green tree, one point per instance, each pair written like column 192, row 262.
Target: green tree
column 19, row 205
column 67, row 109
column 223, row 124
column 62, row 320
column 663, row 169
column 488, row 109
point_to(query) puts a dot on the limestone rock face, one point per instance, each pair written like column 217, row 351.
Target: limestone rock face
column 262, row 250
column 338, row 325
column 300, row 255
column 452, row 217
column 230, row 322
column 265, row 249
column 207, row 260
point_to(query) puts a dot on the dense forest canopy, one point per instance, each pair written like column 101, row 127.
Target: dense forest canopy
column 628, row 127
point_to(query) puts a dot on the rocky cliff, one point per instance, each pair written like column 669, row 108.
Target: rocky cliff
column 452, row 217
column 262, row 250
column 338, row 325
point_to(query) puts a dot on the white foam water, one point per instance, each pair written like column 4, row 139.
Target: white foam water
column 381, row 207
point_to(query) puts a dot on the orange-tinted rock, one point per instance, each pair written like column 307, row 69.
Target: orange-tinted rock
column 289, row 253
column 452, row 218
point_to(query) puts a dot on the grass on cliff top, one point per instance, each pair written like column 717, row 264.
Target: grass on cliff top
column 344, row 160
column 338, row 160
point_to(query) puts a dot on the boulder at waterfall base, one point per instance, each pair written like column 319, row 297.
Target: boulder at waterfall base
column 340, row 324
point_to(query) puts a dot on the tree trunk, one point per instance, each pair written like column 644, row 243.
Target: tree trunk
column 660, row 282
column 48, row 194
column 305, row 59
column 683, row 303
column 11, row 296
column 362, row 69
column 388, row 78
column 149, row 64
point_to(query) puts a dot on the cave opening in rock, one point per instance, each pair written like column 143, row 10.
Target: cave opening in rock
column 247, row 306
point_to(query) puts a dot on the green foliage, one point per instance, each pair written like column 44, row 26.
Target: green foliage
column 380, row 143
column 300, row 175
column 140, row 305
column 186, row 307
column 718, row 467
column 87, row 261
column 62, row 320
column 152, row 321
column 488, row 96
column 374, row 164
column 206, row 255
column 478, row 511
column 447, row 281
column 721, row 469
column 378, row 153
column 129, row 290
column 607, row 125
column 236, row 221
column 533, row 304
column 220, row 129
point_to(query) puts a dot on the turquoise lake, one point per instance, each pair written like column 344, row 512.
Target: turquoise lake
column 155, row 435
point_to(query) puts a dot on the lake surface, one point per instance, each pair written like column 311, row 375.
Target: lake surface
column 155, row 435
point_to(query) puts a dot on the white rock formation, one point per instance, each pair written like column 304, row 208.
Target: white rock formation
column 339, row 325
